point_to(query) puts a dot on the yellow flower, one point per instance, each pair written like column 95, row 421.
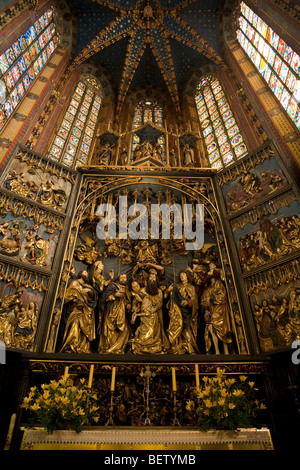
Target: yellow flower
column 231, row 406
column 190, row 405
column 221, row 401
column 238, row 393
column 35, row 406
column 229, row 382
column 243, row 378
column 262, row 406
column 46, row 394
column 251, row 384
column 81, row 412
column 53, row 384
column 65, row 400
column 208, row 403
column 82, row 381
column 94, row 408
column 223, row 392
column 206, row 412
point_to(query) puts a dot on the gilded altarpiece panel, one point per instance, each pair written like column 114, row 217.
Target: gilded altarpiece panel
column 34, row 197
column 105, row 261
column 262, row 208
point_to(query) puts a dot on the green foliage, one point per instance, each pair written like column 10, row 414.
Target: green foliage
column 61, row 403
column 226, row 403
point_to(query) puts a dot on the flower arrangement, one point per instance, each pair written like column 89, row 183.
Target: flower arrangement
column 61, row 403
column 226, row 403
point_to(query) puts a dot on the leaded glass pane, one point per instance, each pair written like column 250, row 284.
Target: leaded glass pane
column 276, row 61
column 74, row 137
column 220, row 131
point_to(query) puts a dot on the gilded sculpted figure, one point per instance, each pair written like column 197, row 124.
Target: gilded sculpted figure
column 24, row 331
column 37, row 251
column 105, row 157
column 146, row 253
column 149, row 337
column 98, row 280
column 15, row 182
column 183, row 312
column 51, row 195
column 18, row 321
column 215, row 305
column 81, row 298
column 115, row 333
column 10, row 244
column 294, row 314
column 9, row 307
column 188, row 156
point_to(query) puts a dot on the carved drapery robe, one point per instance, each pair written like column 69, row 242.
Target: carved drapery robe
column 80, row 327
column 115, row 332
column 182, row 330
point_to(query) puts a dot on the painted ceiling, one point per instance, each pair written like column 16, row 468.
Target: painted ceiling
column 142, row 43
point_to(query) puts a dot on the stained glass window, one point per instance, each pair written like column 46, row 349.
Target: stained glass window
column 148, row 111
column 23, row 60
column 73, row 140
column 223, row 139
column 275, row 60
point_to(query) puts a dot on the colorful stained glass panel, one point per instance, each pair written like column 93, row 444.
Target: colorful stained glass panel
column 240, row 150
column 275, row 59
column 214, row 156
column 228, row 158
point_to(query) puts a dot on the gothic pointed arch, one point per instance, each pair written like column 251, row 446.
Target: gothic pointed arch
column 73, row 142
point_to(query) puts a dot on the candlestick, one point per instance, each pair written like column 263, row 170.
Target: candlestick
column 174, row 385
column 10, row 431
column 66, row 374
column 113, row 379
column 197, row 376
column 91, row 376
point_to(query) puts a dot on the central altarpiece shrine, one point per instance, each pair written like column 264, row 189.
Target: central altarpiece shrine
column 144, row 317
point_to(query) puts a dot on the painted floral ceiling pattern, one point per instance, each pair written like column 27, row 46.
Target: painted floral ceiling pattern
column 147, row 42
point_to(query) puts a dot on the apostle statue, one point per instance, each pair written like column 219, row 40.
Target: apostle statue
column 105, row 157
column 216, row 313
column 98, row 279
column 149, row 337
column 183, row 312
column 188, row 156
column 115, row 332
column 123, row 156
column 81, row 298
